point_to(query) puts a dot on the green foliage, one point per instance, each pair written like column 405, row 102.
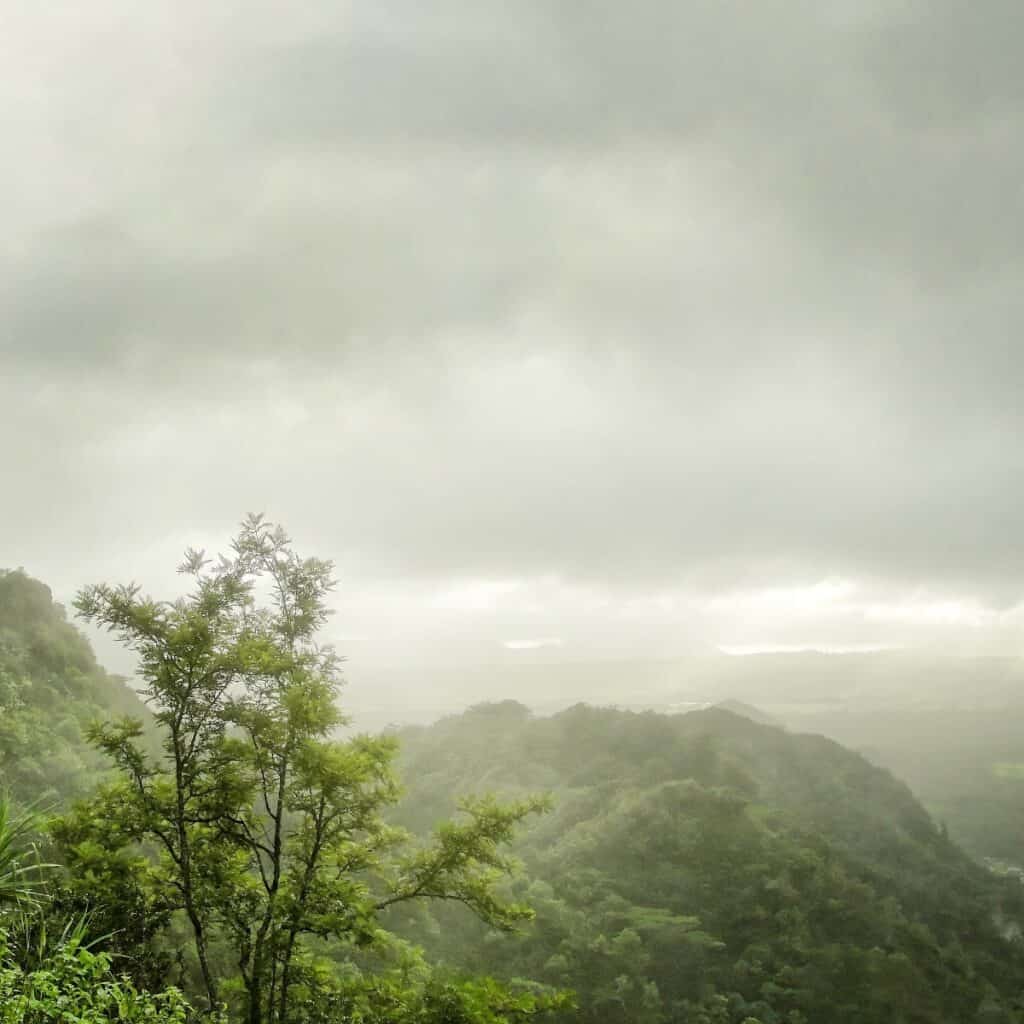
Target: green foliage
column 76, row 986
column 251, row 823
column 51, row 689
column 394, row 985
column 442, row 1001
column 707, row 868
column 963, row 762
column 698, row 868
column 21, row 875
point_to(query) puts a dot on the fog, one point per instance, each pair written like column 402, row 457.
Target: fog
column 572, row 334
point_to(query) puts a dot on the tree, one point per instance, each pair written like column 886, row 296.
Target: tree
column 269, row 828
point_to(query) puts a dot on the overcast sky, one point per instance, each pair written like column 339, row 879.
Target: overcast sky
column 603, row 328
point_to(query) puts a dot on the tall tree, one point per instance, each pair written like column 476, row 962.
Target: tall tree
column 270, row 828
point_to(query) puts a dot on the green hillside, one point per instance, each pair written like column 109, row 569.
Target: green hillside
column 964, row 763
column 705, row 867
column 51, row 688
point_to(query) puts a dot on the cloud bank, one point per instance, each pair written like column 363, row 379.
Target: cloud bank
column 641, row 308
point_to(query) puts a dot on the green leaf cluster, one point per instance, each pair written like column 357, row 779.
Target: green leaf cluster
column 77, row 986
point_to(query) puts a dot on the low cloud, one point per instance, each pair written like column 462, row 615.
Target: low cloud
column 668, row 306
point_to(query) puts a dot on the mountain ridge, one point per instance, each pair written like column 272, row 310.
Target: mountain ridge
column 705, row 864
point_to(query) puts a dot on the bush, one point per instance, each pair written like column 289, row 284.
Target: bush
column 76, row 986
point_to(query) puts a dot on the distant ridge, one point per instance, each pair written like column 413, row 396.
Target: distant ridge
column 738, row 707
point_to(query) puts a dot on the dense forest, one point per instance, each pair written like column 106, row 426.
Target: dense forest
column 229, row 848
column 707, row 867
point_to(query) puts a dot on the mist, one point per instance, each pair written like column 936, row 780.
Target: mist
column 616, row 335
column 510, row 512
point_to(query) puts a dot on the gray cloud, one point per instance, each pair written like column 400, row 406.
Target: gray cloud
column 704, row 296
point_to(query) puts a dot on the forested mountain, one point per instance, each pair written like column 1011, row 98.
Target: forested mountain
column 965, row 763
column 704, row 867
column 51, row 688
column 950, row 727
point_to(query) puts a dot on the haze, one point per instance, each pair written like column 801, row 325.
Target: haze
column 570, row 332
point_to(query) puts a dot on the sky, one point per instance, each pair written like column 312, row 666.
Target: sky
column 590, row 330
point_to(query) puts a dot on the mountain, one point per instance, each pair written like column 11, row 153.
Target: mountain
column 738, row 707
column 951, row 727
column 706, row 867
column 51, row 688
column 788, row 686
column 965, row 764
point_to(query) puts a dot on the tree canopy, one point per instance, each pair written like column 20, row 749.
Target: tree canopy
column 266, row 831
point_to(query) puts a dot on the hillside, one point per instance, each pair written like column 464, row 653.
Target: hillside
column 951, row 727
column 965, row 764
column 744, row 710
column 705, row 867
column 51, row 688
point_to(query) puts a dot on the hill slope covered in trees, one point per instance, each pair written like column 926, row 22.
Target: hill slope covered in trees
column 51, row 689
column 696, row 868
column 705, row 867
